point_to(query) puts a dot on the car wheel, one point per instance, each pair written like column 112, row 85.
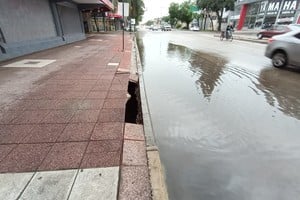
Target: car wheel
column 259, row 36
column 279, row 59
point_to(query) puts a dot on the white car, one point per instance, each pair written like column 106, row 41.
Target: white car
column 195, row 28
column 285, row 49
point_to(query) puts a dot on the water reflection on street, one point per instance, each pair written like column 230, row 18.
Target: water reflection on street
column 223, row 132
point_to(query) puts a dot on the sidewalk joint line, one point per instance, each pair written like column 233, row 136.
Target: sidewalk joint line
column 22, row 192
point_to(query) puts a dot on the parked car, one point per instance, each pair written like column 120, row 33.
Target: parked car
column 154, row 28
column 195, row 28
column 166, row 27
column 274, row 30
column 284, row 49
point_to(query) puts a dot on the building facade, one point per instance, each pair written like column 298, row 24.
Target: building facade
column 34, row 25
column 257, row 13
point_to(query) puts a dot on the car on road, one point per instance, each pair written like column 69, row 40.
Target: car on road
column 154, row 28
column 195, row 28
column 285, row 49
column 166, row 27
column 274, row 30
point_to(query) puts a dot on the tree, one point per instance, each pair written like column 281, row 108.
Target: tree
column 136, row 9
column 149, row 22
column 185, row 13
column 216, row 6
column 173, row 13
column 166, row 19
column 181, row 12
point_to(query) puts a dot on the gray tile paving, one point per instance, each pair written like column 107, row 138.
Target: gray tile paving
column 50, row 185
column 11, row 185
column 100, row 184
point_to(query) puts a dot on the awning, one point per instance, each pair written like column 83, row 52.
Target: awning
column 94, row 3
column 108, row 4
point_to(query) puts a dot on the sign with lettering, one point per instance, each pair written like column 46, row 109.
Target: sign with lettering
column 289, row 7
column 263, row 7
column 272, row 7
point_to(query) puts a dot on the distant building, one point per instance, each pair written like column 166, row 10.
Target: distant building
column 257, row 13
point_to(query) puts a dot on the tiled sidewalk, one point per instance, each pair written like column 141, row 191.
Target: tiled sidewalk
column 74, row 117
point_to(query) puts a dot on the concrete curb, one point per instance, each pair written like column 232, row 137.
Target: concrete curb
column 156, row 170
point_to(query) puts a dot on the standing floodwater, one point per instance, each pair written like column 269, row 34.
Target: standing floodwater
column 224, row 131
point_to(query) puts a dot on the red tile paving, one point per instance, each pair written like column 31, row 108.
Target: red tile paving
column 5, row 150
column 115, row 103
column 105, row 153
column 44, row 133
column 107, row 131
column 112, row 115
column 134, row 153
column 117, row 94
column 97, row 95
column 59, row 116
column 8, row 115
column 64, row 156
column 14, row 133
column 31, row 117
column 42, row 105
column 73, row 117
column 108, row 159
column 25, row 158
column 134, row 183
column 70, row 104
column 84, row 116
column 90, row 104
column 77, row 132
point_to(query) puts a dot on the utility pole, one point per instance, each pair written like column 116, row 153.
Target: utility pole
column 123, row 26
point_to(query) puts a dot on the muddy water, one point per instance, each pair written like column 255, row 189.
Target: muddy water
column 223, row 132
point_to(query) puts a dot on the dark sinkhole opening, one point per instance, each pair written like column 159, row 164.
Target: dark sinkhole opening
column 133, row 106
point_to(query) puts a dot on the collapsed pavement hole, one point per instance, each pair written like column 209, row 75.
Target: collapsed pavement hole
column 133, row 106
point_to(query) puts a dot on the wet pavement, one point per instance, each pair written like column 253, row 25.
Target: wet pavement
column 227, row 125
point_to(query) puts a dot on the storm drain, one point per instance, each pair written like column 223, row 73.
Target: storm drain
column 133, row 105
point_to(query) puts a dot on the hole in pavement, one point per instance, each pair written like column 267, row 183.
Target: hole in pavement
column 133, row 105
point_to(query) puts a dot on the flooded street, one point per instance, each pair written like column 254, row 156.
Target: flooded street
column 226, row 122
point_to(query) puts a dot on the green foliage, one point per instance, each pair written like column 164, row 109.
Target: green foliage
column 150, row 22
column 166, row 19
column 136, row 9
column 173, row 13
column 216, row 6
column 181, row 12
column 186, row 15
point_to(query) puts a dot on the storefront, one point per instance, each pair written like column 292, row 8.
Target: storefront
column 34, row 25
column 96, row 21
column 257, row 14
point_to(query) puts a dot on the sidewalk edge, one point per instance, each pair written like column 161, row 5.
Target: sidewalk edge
column 156, row 170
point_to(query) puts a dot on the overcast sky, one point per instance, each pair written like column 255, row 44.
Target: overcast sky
column 157, row 8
